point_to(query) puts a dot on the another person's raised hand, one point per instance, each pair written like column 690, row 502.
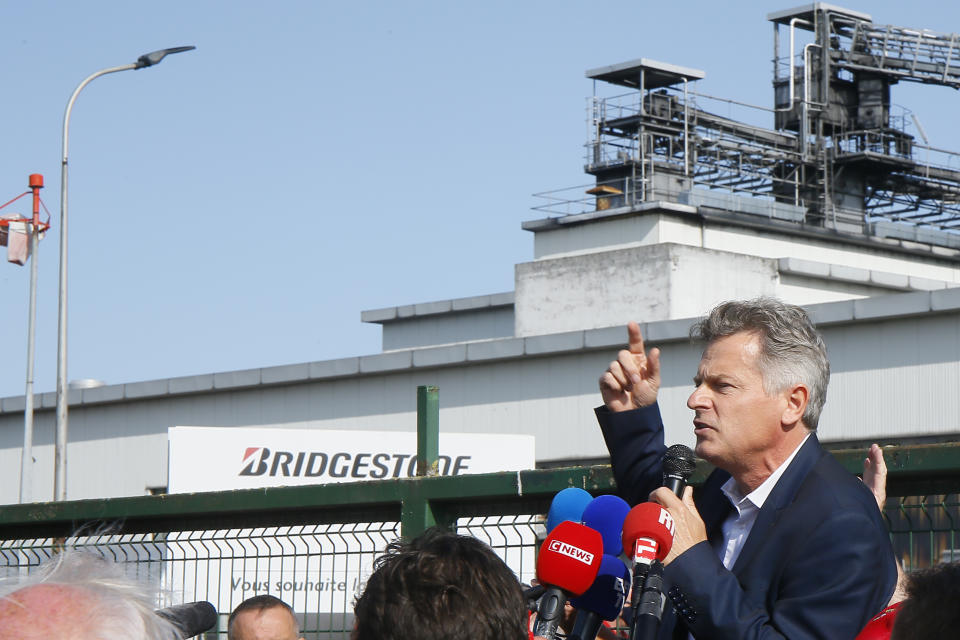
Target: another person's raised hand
column 875, row 478
column 875, row 474
column 633, row 379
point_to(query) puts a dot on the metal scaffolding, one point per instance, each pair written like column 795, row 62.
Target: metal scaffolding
column 838, row 157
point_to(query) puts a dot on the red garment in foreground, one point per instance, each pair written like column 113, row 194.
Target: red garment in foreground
column 882, row 624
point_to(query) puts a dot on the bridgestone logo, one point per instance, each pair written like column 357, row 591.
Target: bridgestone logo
column 261, row 461
column 571, row 551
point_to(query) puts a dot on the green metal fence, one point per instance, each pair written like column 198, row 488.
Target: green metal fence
column 922, row 511
column 313, row 546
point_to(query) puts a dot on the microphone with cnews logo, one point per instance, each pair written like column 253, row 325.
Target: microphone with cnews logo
column 568, row 563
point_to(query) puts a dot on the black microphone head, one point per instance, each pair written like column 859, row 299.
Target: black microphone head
column 679, row 461
column 191, row 619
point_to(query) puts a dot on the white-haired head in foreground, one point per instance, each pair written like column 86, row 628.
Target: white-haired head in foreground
column 81, row 596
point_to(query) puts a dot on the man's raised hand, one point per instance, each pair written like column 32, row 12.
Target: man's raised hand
column 633, row 379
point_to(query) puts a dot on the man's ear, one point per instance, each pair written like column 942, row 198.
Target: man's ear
column 797, row 398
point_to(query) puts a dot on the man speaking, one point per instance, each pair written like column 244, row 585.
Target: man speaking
column 780, row 541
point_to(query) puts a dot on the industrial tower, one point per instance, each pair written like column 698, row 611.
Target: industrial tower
column 839, row 156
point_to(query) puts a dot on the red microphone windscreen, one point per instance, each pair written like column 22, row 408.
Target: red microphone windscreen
column 650, row 521
column 570, row 557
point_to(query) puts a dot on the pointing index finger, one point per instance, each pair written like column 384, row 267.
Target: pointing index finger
column 634, row 338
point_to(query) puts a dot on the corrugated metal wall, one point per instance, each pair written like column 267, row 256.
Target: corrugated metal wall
column 893, row 376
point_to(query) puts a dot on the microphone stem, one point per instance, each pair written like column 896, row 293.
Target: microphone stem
column 586, row 626
column 640, row 572
column 647, row 618
column 548, row 613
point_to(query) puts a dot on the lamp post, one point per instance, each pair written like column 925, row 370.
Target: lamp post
column 26, row 459
column 60, row 453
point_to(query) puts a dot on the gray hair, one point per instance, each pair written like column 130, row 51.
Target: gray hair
column 791, row 349
column 123, row 609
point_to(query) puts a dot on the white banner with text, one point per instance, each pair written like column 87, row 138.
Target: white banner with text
column 227, row 458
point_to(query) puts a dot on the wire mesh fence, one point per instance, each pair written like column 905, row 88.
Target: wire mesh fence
column 318, row 561
column 316, row 569
column 925, row 530
column 319, row 569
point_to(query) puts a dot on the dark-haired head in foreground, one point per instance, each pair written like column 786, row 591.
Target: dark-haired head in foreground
column 440, row 586
column 930, row 609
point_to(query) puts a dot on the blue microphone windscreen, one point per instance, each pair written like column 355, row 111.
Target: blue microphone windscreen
column 606, row 514
column 609, row 590
column 567, row 505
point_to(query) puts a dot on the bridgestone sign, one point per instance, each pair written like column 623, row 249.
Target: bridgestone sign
column 222, row 458
column 226, row 458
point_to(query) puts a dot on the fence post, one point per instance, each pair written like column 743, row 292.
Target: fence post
column 428, row 430
column 416, row 512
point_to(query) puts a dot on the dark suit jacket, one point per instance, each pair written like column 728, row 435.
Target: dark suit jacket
column 817, row 564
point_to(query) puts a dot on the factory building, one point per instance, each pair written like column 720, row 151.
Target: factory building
column 842, row 206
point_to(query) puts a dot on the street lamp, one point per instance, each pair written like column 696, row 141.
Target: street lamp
column 60, row 453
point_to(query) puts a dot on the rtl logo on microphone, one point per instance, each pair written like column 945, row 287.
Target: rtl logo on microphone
column 667, row 520
column 571, row 551
column 645, row 550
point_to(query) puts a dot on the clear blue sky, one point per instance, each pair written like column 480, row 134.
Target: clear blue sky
column 238, row 206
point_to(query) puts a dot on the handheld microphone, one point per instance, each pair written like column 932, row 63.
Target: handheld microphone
column 678, row 465
column 569, row 560
column 603, row 600
column 606, row 514
column 568, row 504
column 190, row 619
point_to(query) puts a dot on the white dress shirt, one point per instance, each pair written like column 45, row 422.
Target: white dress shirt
column 737, row 526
